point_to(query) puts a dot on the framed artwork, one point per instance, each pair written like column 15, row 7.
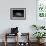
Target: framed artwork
column 41, row 12
column 41, row 8
column 17, row 13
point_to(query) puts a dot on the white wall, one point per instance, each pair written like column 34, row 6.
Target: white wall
column 24, row 25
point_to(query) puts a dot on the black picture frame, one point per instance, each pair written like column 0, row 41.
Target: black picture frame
column 17, row 13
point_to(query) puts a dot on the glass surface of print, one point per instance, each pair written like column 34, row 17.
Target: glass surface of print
column 41, row 8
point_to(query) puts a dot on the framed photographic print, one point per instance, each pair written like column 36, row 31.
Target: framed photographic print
column 41, row 12
column 17, row 13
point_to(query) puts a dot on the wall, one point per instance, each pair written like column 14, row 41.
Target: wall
column 24, row 25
